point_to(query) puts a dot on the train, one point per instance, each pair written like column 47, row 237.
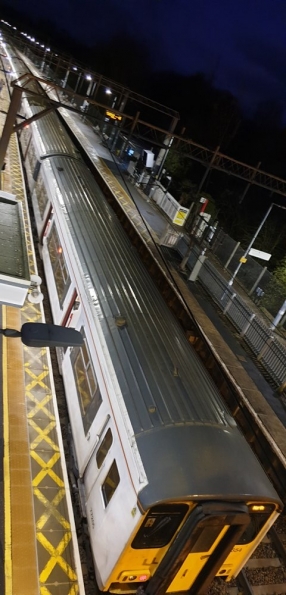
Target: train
column 174, row 495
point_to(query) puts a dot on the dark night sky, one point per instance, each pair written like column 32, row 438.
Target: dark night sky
column 240, row 43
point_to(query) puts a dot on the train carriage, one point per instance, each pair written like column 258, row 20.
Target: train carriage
column 174, row 495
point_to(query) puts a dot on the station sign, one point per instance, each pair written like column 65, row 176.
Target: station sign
column 113, row 116
column 259, row 254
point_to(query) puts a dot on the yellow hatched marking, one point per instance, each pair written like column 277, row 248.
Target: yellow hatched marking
column 40, row 406
column 51, row 509
column 56, row 557
column 45, row 591
column 43, row 435
column 6, row 468
column 35, row 356
column 37, row 379
column 47, row 469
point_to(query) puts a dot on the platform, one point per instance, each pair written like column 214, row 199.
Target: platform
column 40, row 551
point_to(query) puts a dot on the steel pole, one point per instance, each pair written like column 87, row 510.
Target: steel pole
column 9, row 122
column 278, row 316
column 250, row 245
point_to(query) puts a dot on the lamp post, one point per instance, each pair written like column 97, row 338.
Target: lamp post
column 242, row 260
column 113, row 99
column 278, row 316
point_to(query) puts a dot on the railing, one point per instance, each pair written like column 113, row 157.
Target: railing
column 267, row 348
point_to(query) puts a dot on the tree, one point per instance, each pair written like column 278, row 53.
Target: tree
column 280, row 272
column 180, row 168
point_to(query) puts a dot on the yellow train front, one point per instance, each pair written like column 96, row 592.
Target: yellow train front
column 205, row 510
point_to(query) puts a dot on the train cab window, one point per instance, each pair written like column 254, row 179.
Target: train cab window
column 58, row 262
column 88, row 392
column 104, row 448
column 159, row 526
column 257, row 520
column 110, row 483
column 204, row 537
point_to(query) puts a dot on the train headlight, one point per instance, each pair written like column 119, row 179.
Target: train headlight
column 257, row 508
column 140, row 576
column 143, row 577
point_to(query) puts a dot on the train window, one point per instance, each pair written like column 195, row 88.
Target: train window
column 204, row 537
column 42, row 196
column 61, row 275
column 257, row 520
column 104, row 448
column 159, row 526
column 37, row 170
column 110, row 483
column 88, row 392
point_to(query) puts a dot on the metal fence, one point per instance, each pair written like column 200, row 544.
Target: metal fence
column 264, row 345
column 252, row 274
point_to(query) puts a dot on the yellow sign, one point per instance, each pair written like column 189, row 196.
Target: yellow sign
column 180, row 217
column 243, row 259
column 113, row 116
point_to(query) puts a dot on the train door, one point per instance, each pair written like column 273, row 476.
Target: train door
column 199, row 549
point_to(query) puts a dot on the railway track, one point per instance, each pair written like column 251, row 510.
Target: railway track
column 265, row 572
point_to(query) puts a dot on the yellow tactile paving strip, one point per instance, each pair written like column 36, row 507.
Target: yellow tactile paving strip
column 20, row 554
column 47, row 547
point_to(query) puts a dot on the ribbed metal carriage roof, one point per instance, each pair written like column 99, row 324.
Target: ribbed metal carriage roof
column 161, row 377
column 54, row 139
column 179, row 419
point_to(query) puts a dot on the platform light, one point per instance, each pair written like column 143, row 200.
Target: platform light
column 74, row 68
column 88, row 77
column 108, row 91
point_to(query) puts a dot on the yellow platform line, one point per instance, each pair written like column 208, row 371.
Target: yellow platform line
column 6, row 469
column 21, row 576
column 55, row 552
